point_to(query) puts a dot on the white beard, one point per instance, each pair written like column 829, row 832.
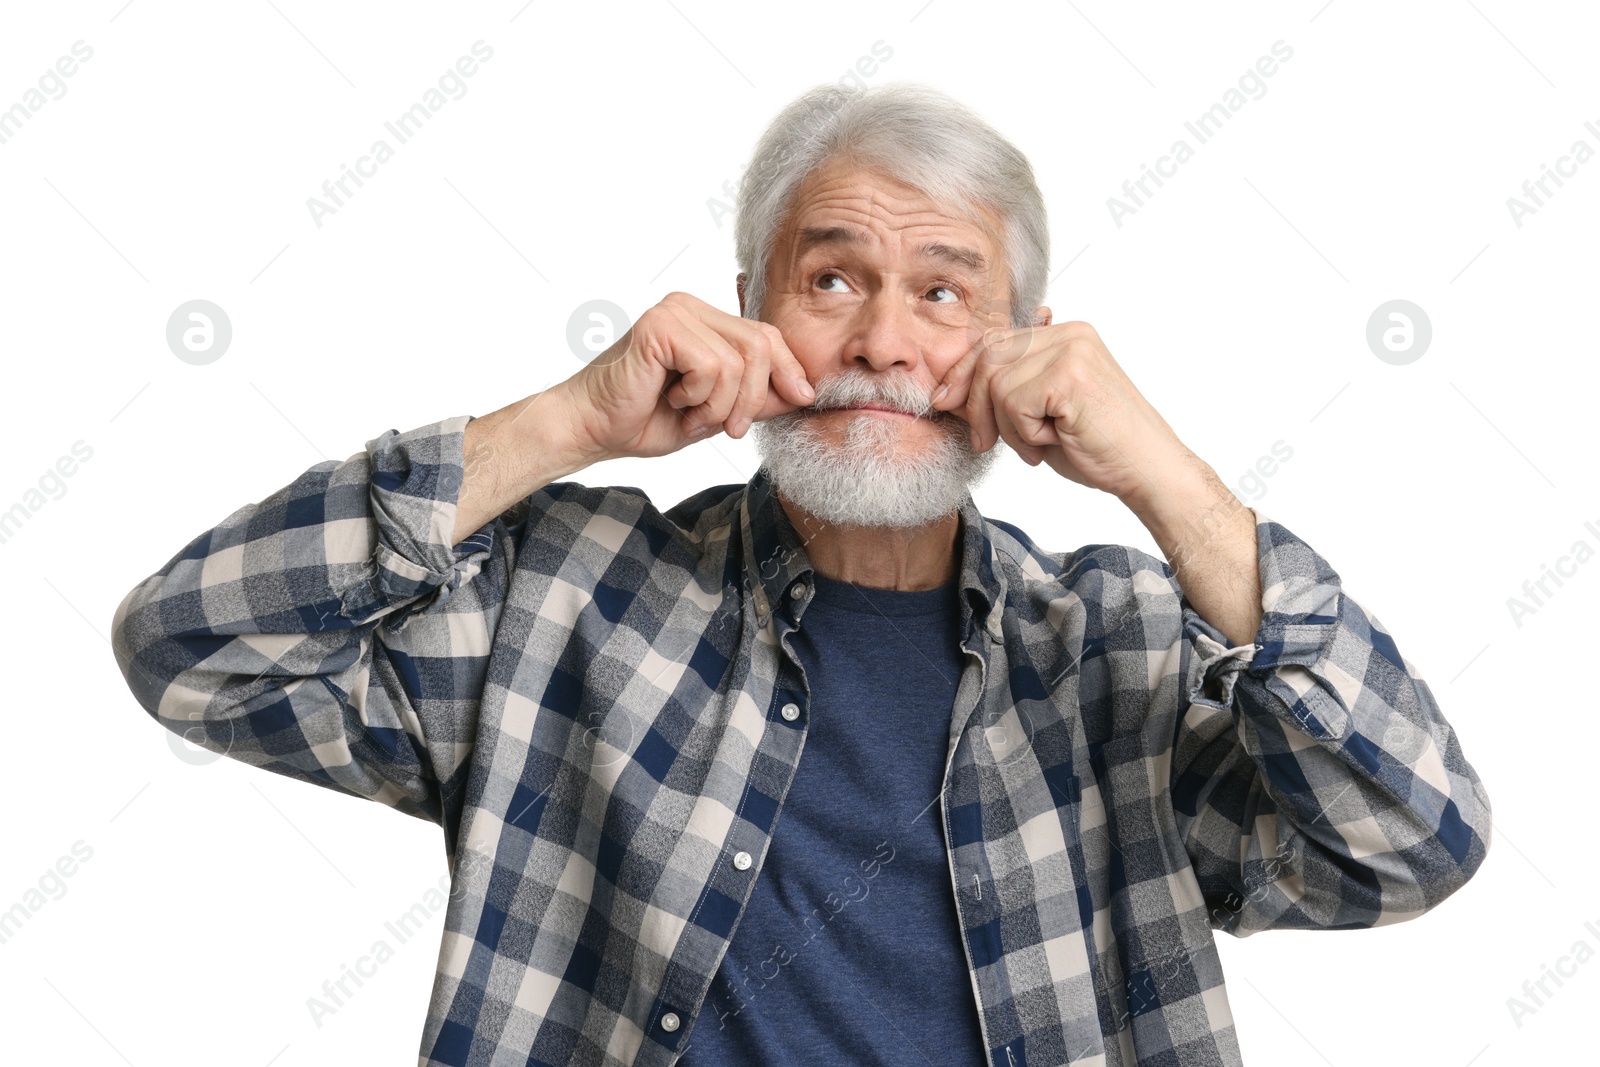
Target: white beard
column 865, row 480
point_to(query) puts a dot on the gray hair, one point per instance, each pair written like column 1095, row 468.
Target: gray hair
column 917, row 135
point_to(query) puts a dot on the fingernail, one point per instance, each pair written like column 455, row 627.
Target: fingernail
column 938, row 394
column 806, row 390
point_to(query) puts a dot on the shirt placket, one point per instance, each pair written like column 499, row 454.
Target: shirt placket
column 970, row 695
column 780, row 585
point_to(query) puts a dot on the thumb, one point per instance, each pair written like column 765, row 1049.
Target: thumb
column 794, row 387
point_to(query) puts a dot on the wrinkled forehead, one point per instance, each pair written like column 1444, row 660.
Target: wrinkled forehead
column 842, row 195
column 841, row 210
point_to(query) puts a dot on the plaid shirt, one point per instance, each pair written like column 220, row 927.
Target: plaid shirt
column 596, row 701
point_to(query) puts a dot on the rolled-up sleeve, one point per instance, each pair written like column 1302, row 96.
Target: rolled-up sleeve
column 331, row 632
column 1316, row 782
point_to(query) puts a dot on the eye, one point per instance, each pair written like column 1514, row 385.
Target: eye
column 955, row 294
column 835, row 277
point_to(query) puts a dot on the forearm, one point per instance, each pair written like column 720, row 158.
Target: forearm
column 513, row 452
column 1209, row 538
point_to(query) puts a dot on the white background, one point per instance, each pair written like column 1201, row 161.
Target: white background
column 578, row 166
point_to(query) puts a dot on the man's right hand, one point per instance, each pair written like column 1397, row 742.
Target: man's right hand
column 684, row 371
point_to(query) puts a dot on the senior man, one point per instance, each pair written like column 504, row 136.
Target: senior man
column 827, row 767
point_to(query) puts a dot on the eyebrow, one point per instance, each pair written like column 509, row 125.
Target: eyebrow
column 817, row 236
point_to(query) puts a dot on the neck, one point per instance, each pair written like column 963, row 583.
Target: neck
column 881, row 557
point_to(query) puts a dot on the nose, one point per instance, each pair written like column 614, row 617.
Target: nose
column 887, row 334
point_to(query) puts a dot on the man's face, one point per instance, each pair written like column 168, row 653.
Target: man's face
column 878, row 294
column 871, row 277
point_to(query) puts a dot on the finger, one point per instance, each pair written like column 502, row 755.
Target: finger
column 751, row 345
column 1005, row 424
column 958, row 380
column 1032, row 411
column 713, row 412
column 979, row 412
column 752, row 394
column 695, row 358
column 788, row 376
column 702, row 359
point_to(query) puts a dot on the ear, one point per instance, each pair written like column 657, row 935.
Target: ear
column 1042, row 316
column 739, row 285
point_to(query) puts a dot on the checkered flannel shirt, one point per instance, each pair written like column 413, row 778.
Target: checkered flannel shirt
column 588, row 695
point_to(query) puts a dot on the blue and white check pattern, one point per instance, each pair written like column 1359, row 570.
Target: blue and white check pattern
column 587, row 695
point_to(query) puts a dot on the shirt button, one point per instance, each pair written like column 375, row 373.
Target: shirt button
column 669, row 1021
column 791, row 712
column 742, row 860
column 797, row 590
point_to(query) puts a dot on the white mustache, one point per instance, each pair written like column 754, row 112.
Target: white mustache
column 856, row 388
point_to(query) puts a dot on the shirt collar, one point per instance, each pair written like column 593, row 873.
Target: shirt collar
column 775, row 560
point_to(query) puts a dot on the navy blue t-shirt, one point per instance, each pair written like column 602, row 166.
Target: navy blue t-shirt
column 850, row 949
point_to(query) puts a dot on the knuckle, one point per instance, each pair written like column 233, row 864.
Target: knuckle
column 760, row 355
column 1077, row 375
column 757, row 345
column 660, row 319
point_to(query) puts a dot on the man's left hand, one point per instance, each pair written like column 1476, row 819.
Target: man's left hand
column 1055, row 395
